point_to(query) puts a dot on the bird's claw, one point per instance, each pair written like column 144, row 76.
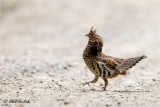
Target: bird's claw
column 86, row 83
column 104, row 89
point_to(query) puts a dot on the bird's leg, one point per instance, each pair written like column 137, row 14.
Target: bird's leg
column 93, row 81
column 106, row 83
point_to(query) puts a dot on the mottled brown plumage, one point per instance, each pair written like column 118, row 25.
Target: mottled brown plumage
column 102, row 65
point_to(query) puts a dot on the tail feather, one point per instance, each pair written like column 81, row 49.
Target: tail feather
column 129, row 63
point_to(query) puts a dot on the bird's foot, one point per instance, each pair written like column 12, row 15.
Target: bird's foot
column 104, row 88
column 86, row 83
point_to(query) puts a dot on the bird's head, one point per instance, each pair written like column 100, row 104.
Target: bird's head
column 93, row 37
column 92, row 33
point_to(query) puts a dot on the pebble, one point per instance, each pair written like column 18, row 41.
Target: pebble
column 69, row 65
column 66, row 68
column 40, row 81
column 83, row 90
column 90, row 101
column 92, row 89
column 60, row 99
column 119, row 103
column 66, row 103
column 101, row 84
column 107, row 105
column 153, row 79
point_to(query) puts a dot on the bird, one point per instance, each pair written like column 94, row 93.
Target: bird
column 102, row 65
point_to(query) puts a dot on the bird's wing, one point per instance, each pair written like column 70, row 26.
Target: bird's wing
column 109, row 65
column 111, row 62
column 118, row 60
column 108, row 62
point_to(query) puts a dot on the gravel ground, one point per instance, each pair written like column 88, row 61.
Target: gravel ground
column 41, row 45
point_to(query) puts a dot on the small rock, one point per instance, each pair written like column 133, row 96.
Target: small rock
column 119, row 103
column 90, row 101
column 142, row 67
column 60, row 99
column 83, row 90
column 153, row 79
column 40, row 81
column 66, row 68
column 92, row 89
column 101, row 84
column 66, row 103
column 69, row 65
column 52, row 66
column 107, row 105
column 86, row 105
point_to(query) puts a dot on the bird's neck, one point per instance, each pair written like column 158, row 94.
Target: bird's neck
column 92, row 49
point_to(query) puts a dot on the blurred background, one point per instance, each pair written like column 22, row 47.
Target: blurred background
column 53, row 28
column 41, row 37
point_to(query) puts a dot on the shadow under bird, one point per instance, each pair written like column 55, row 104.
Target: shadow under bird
column 102, row 65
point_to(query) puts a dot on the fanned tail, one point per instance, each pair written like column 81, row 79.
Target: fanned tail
column 129, row 63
